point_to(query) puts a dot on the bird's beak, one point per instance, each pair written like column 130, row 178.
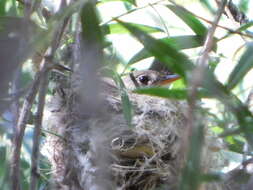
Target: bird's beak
column 167, row 79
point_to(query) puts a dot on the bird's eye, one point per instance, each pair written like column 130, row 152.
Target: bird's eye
column 144, row 79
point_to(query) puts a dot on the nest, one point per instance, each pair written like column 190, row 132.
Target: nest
column 150, row 155
column 102, row 150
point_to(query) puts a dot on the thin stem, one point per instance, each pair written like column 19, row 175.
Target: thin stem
column 20, row 129
column 131, row 11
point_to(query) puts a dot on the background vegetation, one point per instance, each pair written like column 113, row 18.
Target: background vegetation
column 208, row 43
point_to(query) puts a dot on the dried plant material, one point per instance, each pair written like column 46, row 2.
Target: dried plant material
column 147, row 156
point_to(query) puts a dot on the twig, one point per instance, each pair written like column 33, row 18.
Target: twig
column 198, row 72
column 37, row 130
column 193, row 127
column 161, row 19
column 134, row 80
column 41, row 102
column 20, row 129
column 130, row 11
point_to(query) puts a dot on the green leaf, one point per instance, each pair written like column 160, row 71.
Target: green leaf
column 233, row 103
column 245, row 26
column 191, row 175
column 235, row 144
column 116, row 28
column 242, row 68
column 91, row 30
column 2, row 7
column 177, row 42
column 167, row 54
column 133, row 2
column 126, row 103
column 179, row 94
column 189, row 19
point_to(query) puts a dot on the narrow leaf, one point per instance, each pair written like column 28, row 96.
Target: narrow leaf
column 126, row 103
column 242, row 68
column 189, row 19
column 179, row 94
column 2, row 7
column 90, row 24
column 116, row 28
column 233, row 103
column 178, row 42
column 132, row 2
column 175, row 60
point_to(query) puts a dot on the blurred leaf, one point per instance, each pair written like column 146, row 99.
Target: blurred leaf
column 244, row 5
column 175, row 60
column 235, row 144
column 210, row 177
column 177, row 42
column 15, row 46
column 163, row 92
column 191, row 176
column 232, row 103
column 126, row 104
column 217, row 130
column 245, row 26
column 133, row 2
column 179, row 94
column 208, row 5
column 25, row 173
column 189, row 19
column 90, row 24
column 242, row 68
column 116, row 28
column 3, row 165
column 26, row 78
column 2, row 7
column 13, row 9
column 178, row 84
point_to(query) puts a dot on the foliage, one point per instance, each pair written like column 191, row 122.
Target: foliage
column 230, row 113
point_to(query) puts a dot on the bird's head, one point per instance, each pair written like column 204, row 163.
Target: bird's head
column 148, row 78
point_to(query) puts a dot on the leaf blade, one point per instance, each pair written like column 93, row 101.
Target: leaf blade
column 178, row 42
column 242, row 68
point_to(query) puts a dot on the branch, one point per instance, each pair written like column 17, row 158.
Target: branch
column 41, row 102
column 20, row 129
column 193, row 140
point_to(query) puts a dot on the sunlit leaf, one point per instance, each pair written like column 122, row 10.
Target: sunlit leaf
column 167, row 54
column 242, row 68
column 177, row 42
column 179, row 94
column 116, row 28
column 133, row 2
column 189, row 19
column 234, row 144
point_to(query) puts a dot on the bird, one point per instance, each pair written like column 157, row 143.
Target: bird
column 101, row 151
column 146, row 78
